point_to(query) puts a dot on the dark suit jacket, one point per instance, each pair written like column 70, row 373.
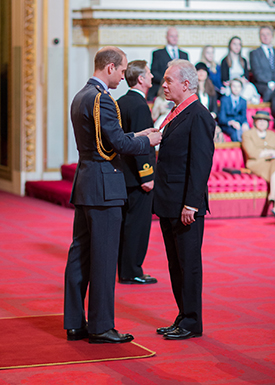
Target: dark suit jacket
column 227, row 111
column 136, row 116
column 99, row 182
column 158, row 67
column 225, row 70
column 212, row 105
column 260, row 67
column 184, row 163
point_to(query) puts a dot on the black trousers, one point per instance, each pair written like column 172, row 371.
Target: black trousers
column 135, row 231
column 92, row 261
column 183, row 248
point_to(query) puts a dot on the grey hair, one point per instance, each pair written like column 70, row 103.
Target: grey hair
column 187, row 71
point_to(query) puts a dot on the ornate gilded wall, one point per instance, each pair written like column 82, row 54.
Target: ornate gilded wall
column 29, row 85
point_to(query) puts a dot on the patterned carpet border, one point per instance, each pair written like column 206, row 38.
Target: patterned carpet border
column 26, row 351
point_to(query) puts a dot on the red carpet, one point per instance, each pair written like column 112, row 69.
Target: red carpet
column 40, row 341
column 238, row 344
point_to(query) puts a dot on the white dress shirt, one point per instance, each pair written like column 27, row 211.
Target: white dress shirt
column 171, row 49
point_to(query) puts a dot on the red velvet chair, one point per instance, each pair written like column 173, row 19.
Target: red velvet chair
column 234, row 194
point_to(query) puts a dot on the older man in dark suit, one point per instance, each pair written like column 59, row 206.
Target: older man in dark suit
column 160, row 59
column 180, row 194
column 98, row 194
column 139, row 174
column 262, row 61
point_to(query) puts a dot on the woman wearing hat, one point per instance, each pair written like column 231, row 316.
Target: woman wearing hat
column 259, row 147
column 207, row 96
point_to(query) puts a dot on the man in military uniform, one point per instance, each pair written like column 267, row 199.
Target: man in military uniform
column 139, row 177
column 98, row 194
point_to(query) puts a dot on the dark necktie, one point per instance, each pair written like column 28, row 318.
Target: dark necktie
column 271, row 58
column 174, row 56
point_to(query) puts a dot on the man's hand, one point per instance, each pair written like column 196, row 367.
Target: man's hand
column 148, row 186
column 245, row 127
column 155, row 138
column 146, row 132
column 187, row 216
column 234, row 124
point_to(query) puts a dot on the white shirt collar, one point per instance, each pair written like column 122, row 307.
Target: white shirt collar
column 101, row 82
column 169, row 49
column 261, row 134
column 234, row 97
column 266, row 48
column 138, row 91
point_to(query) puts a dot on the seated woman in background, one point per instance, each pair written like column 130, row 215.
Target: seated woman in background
column 207, row 96
column 161, row 107
column 214, row 69
column 232, row 116
column 259, row 147
column 235, row 66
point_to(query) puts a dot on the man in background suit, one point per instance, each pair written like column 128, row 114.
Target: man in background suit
column 232, row 115
column 262, row 61
column 98, row 194
column 180, row 194
column 161, row 57
column 139, row 177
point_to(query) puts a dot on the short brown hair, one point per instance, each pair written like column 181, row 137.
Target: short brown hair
column 108, row 55
column 236, row 80
column 267, row 27
column 134, row 69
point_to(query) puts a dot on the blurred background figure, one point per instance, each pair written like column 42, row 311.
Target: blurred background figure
column 259, row 147
column 232, row 115
column 214, row 69
column 161, row 107
column 161, row 57
column 206, row 91
column 235, row 66
column 208, row 97
column 262, row 61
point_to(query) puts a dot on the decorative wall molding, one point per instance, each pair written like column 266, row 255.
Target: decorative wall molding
column 192, row 33
column 88, row 23
column 92, row 25
column 29, row 85
column 87, row 12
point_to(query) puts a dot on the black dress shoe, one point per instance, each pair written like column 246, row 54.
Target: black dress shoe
column 180, row 334
column 171, row 328
column 111, row 336
column 143, row 280
column 77, row 334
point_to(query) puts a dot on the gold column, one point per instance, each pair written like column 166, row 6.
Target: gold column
column 29, row 84
column 45, row 80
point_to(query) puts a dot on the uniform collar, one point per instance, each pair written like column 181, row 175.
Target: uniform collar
column 101, row 82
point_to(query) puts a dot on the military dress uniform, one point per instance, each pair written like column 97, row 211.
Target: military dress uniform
column 98, row 194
